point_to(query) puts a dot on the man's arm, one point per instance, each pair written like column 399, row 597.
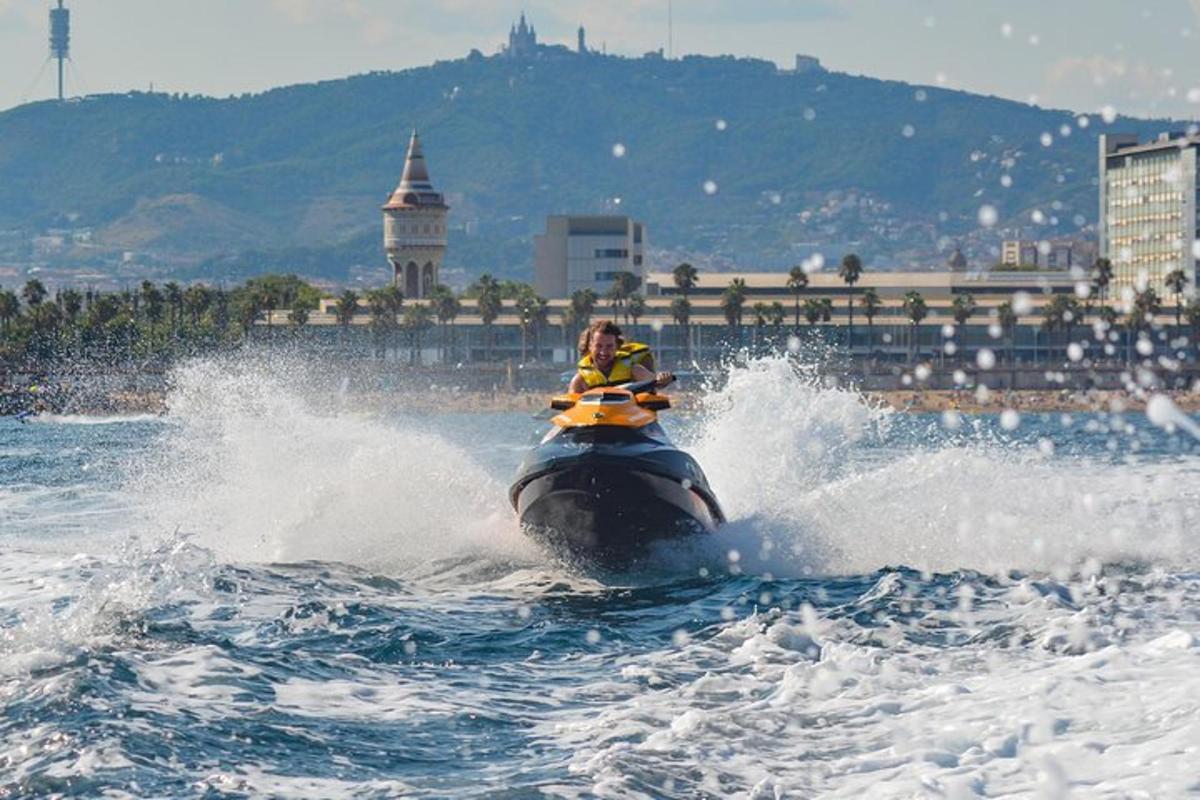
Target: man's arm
column 660, row 379
column 577, row 385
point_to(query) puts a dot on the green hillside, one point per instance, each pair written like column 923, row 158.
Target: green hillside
column 296, row 175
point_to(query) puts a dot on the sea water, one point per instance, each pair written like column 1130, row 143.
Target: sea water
column 272, row 592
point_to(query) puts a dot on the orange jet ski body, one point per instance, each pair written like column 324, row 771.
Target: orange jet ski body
column 606, row 481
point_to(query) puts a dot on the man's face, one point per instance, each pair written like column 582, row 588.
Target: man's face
column 603, row 349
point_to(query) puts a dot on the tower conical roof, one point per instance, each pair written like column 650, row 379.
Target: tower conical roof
column 416, row 175
column 415, row 188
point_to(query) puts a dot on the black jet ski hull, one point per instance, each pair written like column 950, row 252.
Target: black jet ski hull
column 610, row 510
column 611, row 495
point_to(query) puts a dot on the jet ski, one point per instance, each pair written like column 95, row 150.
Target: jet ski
column 606, row 481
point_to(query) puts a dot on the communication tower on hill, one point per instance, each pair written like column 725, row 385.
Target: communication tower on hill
column 60, row 40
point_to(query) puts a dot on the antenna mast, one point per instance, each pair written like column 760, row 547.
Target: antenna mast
column 60, row 40
column 670, row 32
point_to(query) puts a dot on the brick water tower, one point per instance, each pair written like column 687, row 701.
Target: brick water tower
column 414, row 227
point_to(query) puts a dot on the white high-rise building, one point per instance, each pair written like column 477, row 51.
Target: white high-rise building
column 1148, row 199
column 414, row 227
column 578, row 252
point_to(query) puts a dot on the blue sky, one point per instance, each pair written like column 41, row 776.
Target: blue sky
column 1140, row 57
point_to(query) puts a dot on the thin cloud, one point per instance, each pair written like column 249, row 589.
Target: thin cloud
column 375, row 26
column 1132, row 85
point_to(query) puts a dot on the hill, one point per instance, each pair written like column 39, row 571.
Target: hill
column 797, row 162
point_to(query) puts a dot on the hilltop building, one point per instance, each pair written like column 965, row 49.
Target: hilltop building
column 1148, row 225
column 522, row 40
column 578, row 252
column 806, row 63
column 582, row 42
column 414, row 227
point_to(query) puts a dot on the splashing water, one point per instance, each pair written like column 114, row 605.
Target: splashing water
column 815, row 480
column 261, row 463
column 1040, row 637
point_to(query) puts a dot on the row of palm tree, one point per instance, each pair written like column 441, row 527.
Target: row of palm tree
column 160, row 317
column 152, row 321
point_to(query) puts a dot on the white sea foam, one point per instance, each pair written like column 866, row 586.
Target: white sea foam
column 93, row 419
column 803, row 497
column 263, row 463
column 789, row 706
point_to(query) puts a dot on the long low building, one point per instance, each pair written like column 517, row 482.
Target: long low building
column 890, row 336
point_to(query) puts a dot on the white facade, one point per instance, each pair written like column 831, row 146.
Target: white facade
column 578, row 252
column 1049, row 254
column 1148, row 226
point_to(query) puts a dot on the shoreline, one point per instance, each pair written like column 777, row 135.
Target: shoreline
column 913, row 401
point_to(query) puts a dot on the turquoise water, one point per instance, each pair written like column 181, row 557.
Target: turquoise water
column 272, row 592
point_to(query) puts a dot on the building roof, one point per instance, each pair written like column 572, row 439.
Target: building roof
column 1170, row 142
column 415, row 189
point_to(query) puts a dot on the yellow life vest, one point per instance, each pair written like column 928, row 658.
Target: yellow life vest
column 628, row 354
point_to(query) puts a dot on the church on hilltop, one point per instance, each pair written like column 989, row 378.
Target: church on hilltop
column 522, row 40
column 523, row 43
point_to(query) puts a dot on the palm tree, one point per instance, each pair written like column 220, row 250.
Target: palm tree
column 733, row 299
column 45, row 320
column 152, row 302
column 10, row 306
column 196, row 300
column 1006, row 317
column 247, row 312
column 776, row 314
column 850, row 271
column 298, row 315
column 382, row 320
column 1145, row 305
column 917, row 310
column 1102, row 274
column 871, row 304
column 568, row 320
column 624, row 285
column 583, row 304
column 344, row 310
column 1054, row 316
column 174, row 294
column 447, row 308
column 1177, row 281
column 760, row 320
column 681, row 312
column 71, row 301
column 490, row 304
column 685, row 276
column 963, row 307
column 528, row 305
column 1108, row 315
column 1192, row 312
column 797, row 282
column 635, row 308
column 33, row 293
column 813, row 309
column 416, row 320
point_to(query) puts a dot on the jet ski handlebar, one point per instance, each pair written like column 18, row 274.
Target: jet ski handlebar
column 648, row 385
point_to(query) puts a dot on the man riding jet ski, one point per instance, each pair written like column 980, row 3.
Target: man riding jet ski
column 606, row 359
column 606, row 480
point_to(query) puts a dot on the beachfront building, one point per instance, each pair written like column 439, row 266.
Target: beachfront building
column 1048, row 254
column 1148, row 225
column 586, row 252
column 414, row 227
column 772, row 312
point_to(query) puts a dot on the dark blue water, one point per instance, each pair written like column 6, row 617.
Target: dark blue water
column 911, row 609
